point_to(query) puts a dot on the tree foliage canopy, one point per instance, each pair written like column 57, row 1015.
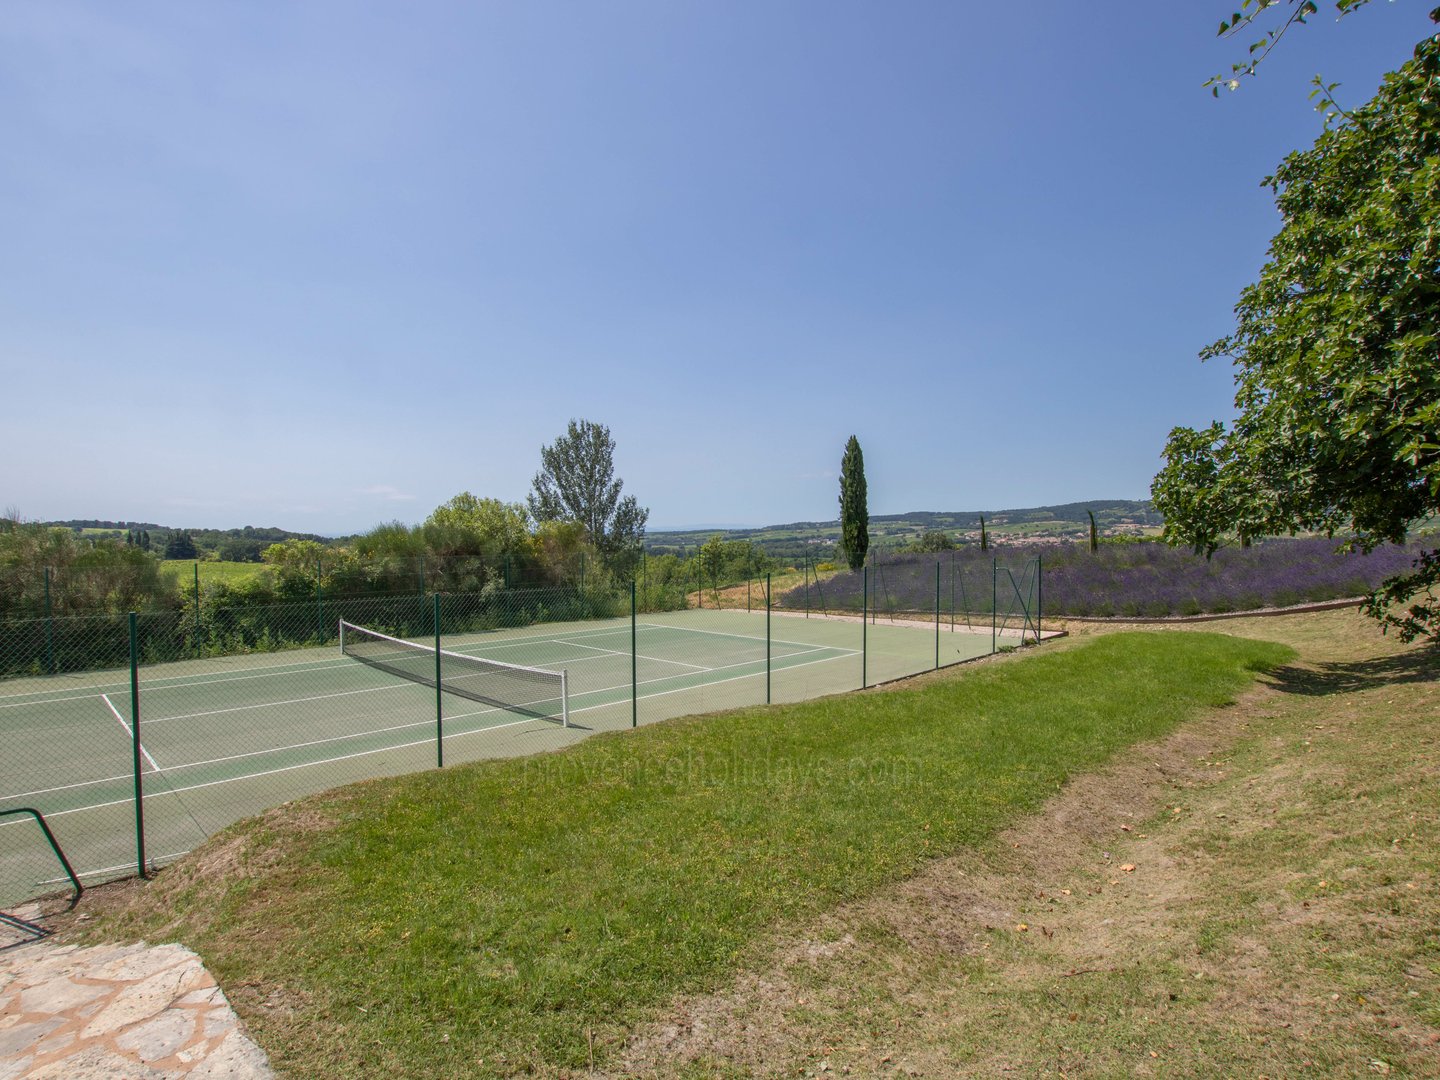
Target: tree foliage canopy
column 1335, row 348
column 854, row 506
column 577, row 482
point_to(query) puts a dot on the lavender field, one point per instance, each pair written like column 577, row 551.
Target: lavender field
column 1140, row 579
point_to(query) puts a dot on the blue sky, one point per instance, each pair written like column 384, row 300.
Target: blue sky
column 321, row 265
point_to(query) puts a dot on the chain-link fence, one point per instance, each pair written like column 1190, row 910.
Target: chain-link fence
column 139, row 735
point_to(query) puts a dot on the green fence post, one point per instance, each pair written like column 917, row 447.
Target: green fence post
column 49, row 627
column 634, row 675
column 1039, row 593
column 439, row 695
column 994, row 599
column 197, row 610
column 747, row 593
column 806, row 573
column 767, row 639
column 135, row 744
column 319, row 602
column 937, row 613
column 864, row 621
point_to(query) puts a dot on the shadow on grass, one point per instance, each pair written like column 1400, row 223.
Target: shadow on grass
column 1419, row 665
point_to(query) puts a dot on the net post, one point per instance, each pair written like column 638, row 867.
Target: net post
column 564, row 698
column 634, row 676
column 135, row 743
column 439, row 694
column 937, row 613
column 767, row 639
column 864, row 621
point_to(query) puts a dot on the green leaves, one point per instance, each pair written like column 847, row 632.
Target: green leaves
column 854, row 505
column 1335, row 347
column 1249, row 12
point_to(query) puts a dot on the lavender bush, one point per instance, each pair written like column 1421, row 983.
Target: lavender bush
column 1139, row 579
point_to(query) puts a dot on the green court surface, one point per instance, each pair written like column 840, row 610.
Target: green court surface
column 227, row 737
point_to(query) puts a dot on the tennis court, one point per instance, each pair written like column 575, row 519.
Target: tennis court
column 227, row 737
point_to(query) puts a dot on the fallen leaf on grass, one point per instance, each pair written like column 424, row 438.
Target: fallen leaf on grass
column 1128, row 867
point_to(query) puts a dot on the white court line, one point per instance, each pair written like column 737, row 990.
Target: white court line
column 64, row 787
column 638, row 656
column 129, row 731
column 717, row 682
column 425, row 742
column 271, row 750
column 269, row 704
column 808, row 645
column 534, row 639
column 166, row 682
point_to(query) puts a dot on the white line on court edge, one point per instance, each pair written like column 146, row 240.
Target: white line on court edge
column 638, row 656
column 427, row 742
column 717, row 682
column 743, row 637
column 64, row 787
column 268, row 704
column 129, row 730
column 167, row 682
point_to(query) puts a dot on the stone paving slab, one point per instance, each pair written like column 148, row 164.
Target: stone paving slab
column 135, row 1012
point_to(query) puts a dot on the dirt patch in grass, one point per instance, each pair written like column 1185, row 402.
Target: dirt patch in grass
column 1257, row 894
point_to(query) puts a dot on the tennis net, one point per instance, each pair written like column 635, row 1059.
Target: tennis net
column 529, row 691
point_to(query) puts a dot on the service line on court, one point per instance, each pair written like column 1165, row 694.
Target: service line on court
column 619, row 652
column 129, row 731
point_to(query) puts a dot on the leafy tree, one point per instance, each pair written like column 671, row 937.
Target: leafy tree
column 1338, row 384
column 854, row 506
column 933, row 540
column 492, row 528
column 180, row 545
column 577, row 482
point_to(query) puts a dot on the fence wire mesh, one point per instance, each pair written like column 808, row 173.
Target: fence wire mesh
column 229, row 710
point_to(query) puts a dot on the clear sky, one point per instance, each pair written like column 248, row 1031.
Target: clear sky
column 321, row 264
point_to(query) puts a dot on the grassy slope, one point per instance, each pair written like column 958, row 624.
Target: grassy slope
column 490, row 918
column 1255, row 895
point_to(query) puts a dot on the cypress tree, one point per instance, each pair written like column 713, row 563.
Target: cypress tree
column 854, row 506
column 1094, row 534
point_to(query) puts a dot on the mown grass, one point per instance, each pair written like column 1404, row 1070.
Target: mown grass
column 1258, row 895
column 517, row 915
column 230, row 573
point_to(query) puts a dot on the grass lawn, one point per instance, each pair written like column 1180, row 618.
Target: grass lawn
column 231, row 573
column 1254, row 894
column 526, row 915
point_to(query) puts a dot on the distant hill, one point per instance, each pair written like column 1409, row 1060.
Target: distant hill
column 1113, row 517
